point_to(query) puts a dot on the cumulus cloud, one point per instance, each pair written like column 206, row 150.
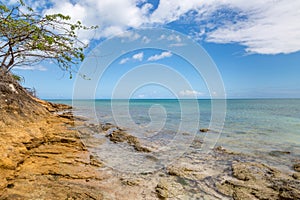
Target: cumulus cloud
column 270, row 28
column 172, row 10
column 172, row 37
column 163, row 55
column 189, row 93
column 263, row 27
column 112, row 16
column 128, row 36
column 137, row 56
column 124, row 60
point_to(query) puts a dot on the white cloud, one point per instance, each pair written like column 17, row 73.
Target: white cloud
column 171, row 10
column 129, row 36
column 172, row 37
column 189, row 93
column 32, row 67
column 146, row 40
column 272, row 27
column 146, row 8
column 138, row 56
column 164, row 54
column 124, row 60
column 266, row 27
column 112, row 16
column 175, row 38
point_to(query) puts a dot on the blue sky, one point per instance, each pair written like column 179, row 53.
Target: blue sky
column 255, row 46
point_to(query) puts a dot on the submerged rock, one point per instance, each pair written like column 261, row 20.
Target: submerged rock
column 118, row 135
column 279, row 153
column 107, row 126
column 221, row 149
column 297, row 167
column 204, row 130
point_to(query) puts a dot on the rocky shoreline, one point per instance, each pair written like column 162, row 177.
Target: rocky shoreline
column 44, row 157
column 47, row 160
column 221, row 174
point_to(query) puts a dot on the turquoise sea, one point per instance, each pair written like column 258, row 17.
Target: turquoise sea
column 268, row 129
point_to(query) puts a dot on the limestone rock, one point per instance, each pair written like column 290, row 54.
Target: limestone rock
column 118, row 135
column 168, row 189
column 257, row 181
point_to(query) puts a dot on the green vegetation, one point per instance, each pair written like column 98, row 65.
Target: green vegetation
column 28, row 38
column 18, row 78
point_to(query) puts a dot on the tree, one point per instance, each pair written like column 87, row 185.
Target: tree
column 28, row 38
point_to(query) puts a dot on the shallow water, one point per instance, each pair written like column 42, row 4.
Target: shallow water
column 263, row 128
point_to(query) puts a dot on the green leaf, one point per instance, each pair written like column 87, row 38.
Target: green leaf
column 39, row 38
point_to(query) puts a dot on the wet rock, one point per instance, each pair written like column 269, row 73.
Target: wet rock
column 221, row 149
column 250, row 171
column 296, row 176
column 287, row 189
column 177, row 171
column 204, row 130
column 257, row 181
column 67, row 115
column 279, row 153
column 72, row 119
column 120, row 136
column 151, row 157
column 168, row 189
column 95, row 128
column 107, row 126
column 197, row 143
column 297, row 167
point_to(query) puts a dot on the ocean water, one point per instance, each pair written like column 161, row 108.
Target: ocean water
column 268, row 129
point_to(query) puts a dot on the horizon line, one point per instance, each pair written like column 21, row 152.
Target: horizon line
column 242, row 98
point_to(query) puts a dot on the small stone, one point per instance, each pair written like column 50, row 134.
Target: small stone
column 204, row 130
column 296, row 176
column 297, row 167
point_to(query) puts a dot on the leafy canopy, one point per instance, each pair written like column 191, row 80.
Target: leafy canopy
column 28, row 38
